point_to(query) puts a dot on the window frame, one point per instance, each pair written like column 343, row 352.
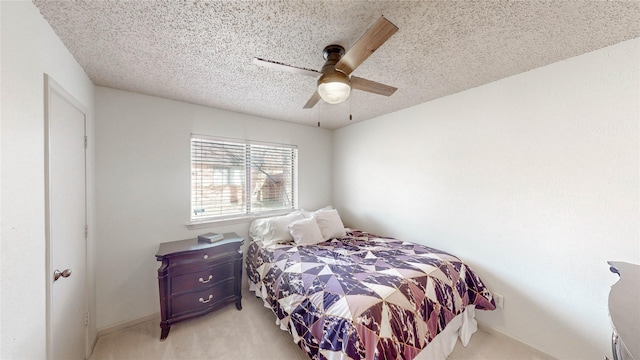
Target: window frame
column 249, row 213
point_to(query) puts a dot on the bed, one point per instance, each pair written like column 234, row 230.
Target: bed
column 348, row 294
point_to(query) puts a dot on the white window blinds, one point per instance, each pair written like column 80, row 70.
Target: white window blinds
column 233, row 178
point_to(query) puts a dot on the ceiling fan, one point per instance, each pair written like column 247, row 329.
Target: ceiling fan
column 335, row 80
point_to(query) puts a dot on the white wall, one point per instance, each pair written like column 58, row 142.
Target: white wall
column 143, row 186
column 30, row 48
column 533, row 179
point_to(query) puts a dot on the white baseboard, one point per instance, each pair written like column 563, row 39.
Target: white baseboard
column 93, row 346
column 486, row 328
column 126, row 324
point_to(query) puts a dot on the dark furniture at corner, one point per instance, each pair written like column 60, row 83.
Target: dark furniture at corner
column 196, row 278
column 624, row 310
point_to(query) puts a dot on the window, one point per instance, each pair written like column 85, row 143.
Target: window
column 235, row 178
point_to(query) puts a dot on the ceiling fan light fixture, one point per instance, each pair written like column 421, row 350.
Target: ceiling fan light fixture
column 334, row 87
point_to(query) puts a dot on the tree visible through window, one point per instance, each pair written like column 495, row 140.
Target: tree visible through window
column 232, row 178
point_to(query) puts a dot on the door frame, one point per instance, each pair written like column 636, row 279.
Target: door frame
column 50, row 86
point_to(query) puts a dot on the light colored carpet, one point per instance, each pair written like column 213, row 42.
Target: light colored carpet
column 252, row 334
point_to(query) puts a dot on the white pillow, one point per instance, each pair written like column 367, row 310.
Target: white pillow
column 306, row 232
column 309, row 214
column 258, row 228
column 330, row 223
column 277, row 228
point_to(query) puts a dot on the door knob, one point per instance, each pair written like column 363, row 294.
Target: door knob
column 57, row 274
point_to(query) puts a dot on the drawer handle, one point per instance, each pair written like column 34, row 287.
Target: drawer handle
column 206, row 281
column 206, row 256
column 206, row 301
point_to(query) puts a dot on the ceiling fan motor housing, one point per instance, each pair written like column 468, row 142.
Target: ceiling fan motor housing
column 333, row 49
column 332, row 54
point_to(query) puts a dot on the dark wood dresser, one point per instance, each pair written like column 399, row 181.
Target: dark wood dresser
column 198, row 277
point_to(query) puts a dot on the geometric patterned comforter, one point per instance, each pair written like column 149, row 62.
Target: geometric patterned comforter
column 362, row 296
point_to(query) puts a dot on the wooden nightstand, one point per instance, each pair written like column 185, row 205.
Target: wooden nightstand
column 197, row 277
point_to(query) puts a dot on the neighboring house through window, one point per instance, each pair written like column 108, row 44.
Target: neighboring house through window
column 236, row 178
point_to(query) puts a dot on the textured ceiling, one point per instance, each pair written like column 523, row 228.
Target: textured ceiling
column 201, row 52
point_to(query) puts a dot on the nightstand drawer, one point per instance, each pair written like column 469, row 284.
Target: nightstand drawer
column 202, row 279
column 202, row 299
column 201, row 257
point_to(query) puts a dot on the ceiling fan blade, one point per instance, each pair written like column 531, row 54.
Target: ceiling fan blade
column 372, row 86
column 312, row 101
column 372, row 39
column 283, row 67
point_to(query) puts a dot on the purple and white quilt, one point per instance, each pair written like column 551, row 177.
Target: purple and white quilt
column 362, row 296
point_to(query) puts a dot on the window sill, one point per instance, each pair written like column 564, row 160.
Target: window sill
column 232, row 221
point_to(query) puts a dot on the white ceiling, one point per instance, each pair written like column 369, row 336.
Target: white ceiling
column 201, row 52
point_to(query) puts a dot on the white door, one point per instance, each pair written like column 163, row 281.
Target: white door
column 66, row 224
